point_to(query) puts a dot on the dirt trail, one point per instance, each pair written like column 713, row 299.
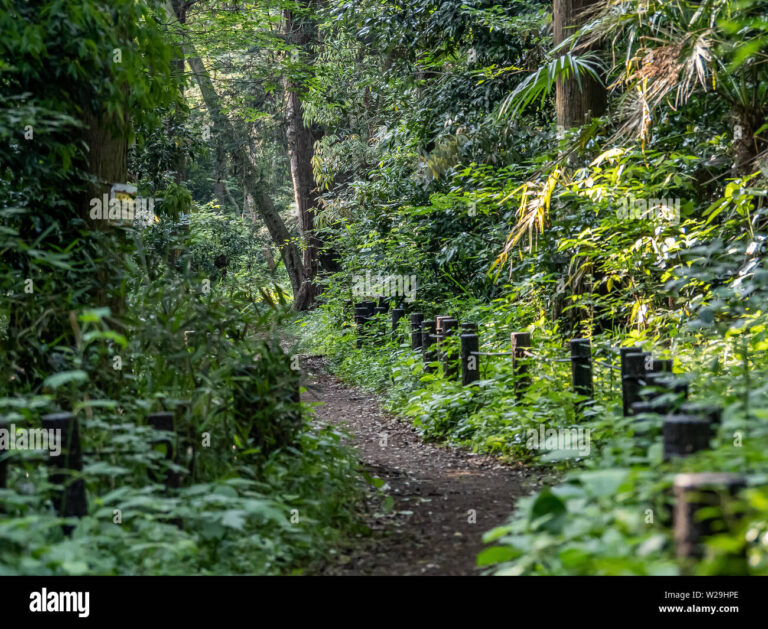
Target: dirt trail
column 436, row 490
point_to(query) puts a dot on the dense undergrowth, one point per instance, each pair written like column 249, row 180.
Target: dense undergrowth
column 431, row 129
column 243, row 505
column 640, row 228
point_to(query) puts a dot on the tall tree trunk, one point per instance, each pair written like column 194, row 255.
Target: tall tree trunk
column 177, row 63
column 107, row 164
column 746, row 145
column 233, row 134
column 298, row 32
column 575, row 105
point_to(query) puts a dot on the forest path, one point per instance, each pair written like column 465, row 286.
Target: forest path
column 430, row 528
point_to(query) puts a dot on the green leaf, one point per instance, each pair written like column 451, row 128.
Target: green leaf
column 64, row 377
column 496, row 554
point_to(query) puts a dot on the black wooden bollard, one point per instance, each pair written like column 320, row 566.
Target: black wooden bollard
column 416, row 320
column 521, row 342
column 710, row 412
column 632, row 379
column 623, row 351
column 648, row 412
column 655, row 405
column 684, row 435
column 397, row 314
column 642, row 410
column 447, row 358
column 470, row 361
column 664, row 384
column 710, row 491
column 581, row 367
column 662, row 365
column 361, row 319
column 439, row 336
column 656, row 384
column 428, row 345
column 69, row 500
column 163, row 421
column 673, row 384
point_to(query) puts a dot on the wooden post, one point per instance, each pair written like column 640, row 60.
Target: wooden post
column 69, row 500
column 673, row 384
column 710, row 412
column 187, row 436
column 662, row 364
column 581, row 367
column 439, row 328
column 427, row 345
column 633, row 374
column 361, row 318
column 684, row 435
column 163, row 421
column 647, row 422
column 470, row 362
column 439, row 336
column 447, row 357
column 623, row 351
column 416, row 320
column 521, row 341
column 397, row 314
column 378, row 331
column 711, row 491
column 667, row 385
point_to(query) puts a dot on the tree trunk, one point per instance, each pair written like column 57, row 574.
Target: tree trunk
column 575, row 105
column 177, row 63
column 746, row 145
column 299, row 33
column 233, row 135
column 107, row 164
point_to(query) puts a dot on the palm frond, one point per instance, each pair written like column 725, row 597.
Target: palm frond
column 539, row 84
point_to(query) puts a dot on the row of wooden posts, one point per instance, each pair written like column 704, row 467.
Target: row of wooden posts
column 65, row 469
column 649, row 390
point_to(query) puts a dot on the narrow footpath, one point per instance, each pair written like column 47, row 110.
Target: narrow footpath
column 437, row 501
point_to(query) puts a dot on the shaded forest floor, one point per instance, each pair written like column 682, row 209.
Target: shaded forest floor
column 437, row 501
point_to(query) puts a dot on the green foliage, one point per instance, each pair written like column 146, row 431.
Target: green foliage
column 644, row 227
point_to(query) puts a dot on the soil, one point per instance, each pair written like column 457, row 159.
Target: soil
column 441, row 499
